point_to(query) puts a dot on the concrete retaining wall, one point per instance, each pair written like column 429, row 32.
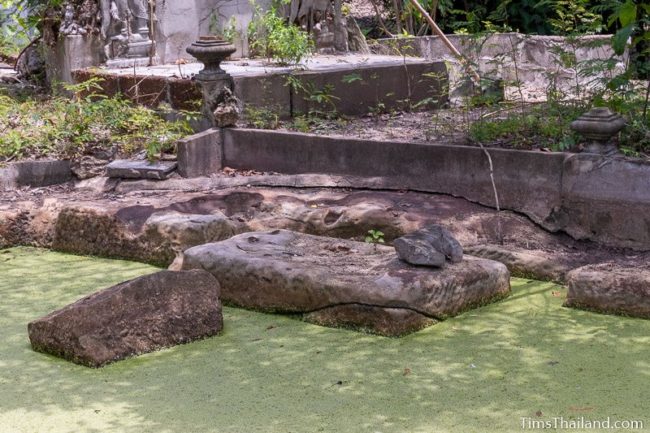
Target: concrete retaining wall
column 389, row 86
column 587, row 196
column 34, row 173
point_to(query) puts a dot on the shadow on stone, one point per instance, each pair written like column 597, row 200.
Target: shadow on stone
column 135, row 317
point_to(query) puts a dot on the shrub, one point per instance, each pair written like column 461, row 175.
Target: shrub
column 272, row 37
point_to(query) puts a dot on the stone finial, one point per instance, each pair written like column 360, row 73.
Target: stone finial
column 599, row 125
column 220, row 106
column 211, row 51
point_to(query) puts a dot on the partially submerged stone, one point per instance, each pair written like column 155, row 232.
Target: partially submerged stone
column 429, row 246
column 609, row 288
column 138, row 316
column 284, row 271
column 127, row 169
column 391, row 322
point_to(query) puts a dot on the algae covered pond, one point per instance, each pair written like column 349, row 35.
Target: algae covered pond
column 484, row 371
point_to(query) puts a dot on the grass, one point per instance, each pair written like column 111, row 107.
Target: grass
column 480, row 372
column 43, row 125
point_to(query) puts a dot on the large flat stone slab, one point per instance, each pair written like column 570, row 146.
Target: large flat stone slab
column 284, row 271
column 127, row 169
column 138, row 316
column 608, row 288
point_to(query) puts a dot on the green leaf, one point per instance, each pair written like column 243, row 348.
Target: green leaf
column 627, row 13
column 619, row 40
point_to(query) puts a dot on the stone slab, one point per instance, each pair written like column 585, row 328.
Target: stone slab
column 608, row 288
column 131, row 318
column 43, row 173
column 526, row 263
column 126, row 169
column 285, row 271
column 34, row 174
column 200, row 154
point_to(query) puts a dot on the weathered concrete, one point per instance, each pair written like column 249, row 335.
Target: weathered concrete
column 200, row 154
column 458, row 170
column 609, row 288
column 399, row 86
column 606, row 200
column 8, row 176
column 388, row 80
column 34, row 174
column 285, row 271
column 128, row 169
column 135, row 317
column 70, row 53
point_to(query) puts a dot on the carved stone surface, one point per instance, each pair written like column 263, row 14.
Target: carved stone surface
column 69, row 25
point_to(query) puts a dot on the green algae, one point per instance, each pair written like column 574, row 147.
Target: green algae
column 525, row 356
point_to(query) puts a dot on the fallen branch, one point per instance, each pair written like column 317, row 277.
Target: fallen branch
column 463, row 61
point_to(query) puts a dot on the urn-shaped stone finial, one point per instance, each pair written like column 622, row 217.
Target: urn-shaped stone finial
column 599, row 125
column 211, row 51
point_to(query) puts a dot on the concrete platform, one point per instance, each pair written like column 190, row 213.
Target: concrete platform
column 390, row 82
column 258, row 67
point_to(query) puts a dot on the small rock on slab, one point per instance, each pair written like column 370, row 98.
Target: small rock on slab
column 127, row 169
column 284, row 271
column 429, row 246
column 609, row 288
column 138, row 316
